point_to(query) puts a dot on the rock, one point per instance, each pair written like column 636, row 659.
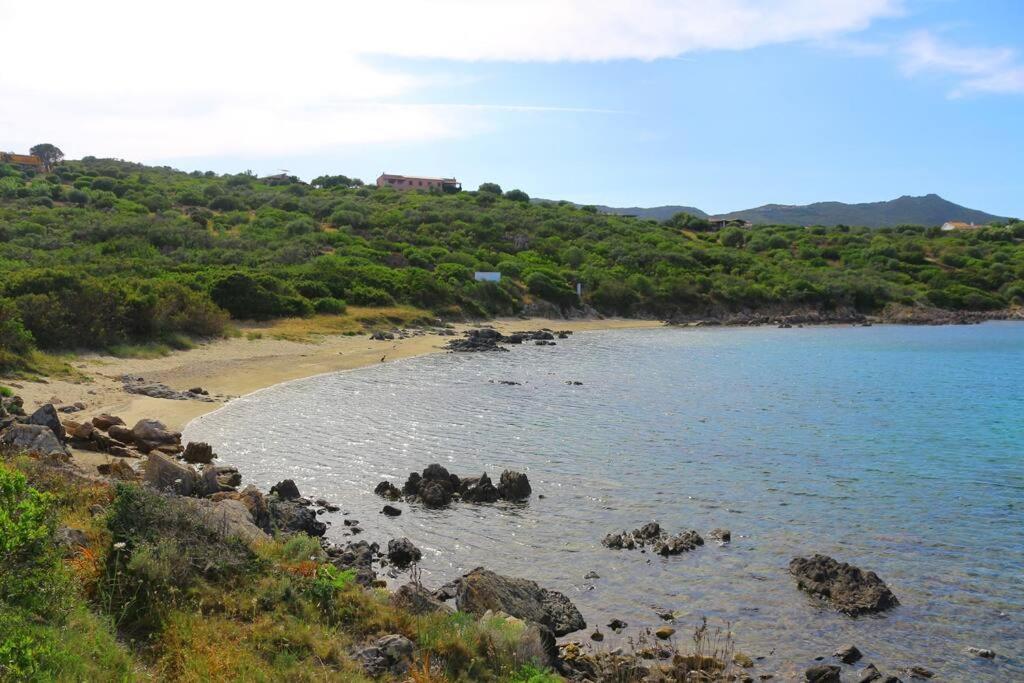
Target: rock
column 435, row 493
column 105, row 421
column 36, row 439
column 47, row 417
column 482, row 590
column 869, row 674
column 227, row 518
column 390, row 511
column 198, row 391
column 121, row 433
column 412, row 484
column 435, row 472
column 680, row 543
column 617, row 625
column 118, row 469
column 121, row 452
column 591, row 575
column 73, row 408
column 198, row 452
column 514, row 485
column 70, row 540
column 290, row 516
column 390, row 654
column 163, row 473
column 597, row 636
column 148, row 435
column 721, row 535
column 286, row 490
column 417, row 600
column 848, row 654
column 76, row 430
column 227, row 476
column 823, row 673
column 380, row 335
column 920, row 672
column 402, row 552
column 386, row 489
column 478, row 489
column 138, row 385
column 358, row 556
column 664, row 632
column 981, row 652
column 845, row 588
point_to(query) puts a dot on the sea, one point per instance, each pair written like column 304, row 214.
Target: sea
column 896, row 449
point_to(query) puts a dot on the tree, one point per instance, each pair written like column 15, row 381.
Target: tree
column 517, row 196
column 49, row 154
column 492, row 188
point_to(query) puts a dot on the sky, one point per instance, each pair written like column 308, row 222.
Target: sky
column 720, row 105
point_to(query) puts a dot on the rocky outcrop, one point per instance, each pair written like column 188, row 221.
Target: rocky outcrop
column 514, row 486
column 478, row 489
column 388, row 655
column 358, row 556
column 46, row 416
column 226, row 518
column 651, row 534
column 35, row 439
column 138, row 385
column 482, row 590
column 104, row 421
column 418, row 600
column 149, row 435
column 167, row 474
column 386, row 489
column 823, row 673
column 198, row 453
column 437, row 487
column 293, row 516
column 842, row 586
column 286, row 490
column 402, row 552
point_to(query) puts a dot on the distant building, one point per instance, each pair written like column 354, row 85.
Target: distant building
column 403, row 182
column 720, row 223
column 959, row 225
column 25, row 162
column 487, row 276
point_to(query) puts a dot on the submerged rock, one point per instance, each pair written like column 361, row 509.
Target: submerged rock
column 402, row 552
column 848, row 654
column 844, row 587
column 386, row 489
column 653, row 535
column 823, row 673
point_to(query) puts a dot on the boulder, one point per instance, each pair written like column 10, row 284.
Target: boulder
column 149, row 435
column 823, row 673
column 386, row 489
column 388, row 655
column 845, row 588
column 47, row 417
column 435, row 493
column 664, row 632
column 254, row 502
column 402, row 552
column 198, row 452
column 478, row 489
column 76, row 430
column 680, row 543
column 482, row 590
column 227, row 518
column 436, row 472
column 514, row 485
column 848, row 654
column 105, row 421
column 121, row 433
column 412, row 484
column 286, row 490
column 358, row 556
column 390, row 511
column 118, row 469
column 70, row 540
column 416, row 599
column 721, row 535
column 36, row 439
column 292, row 517
column 982, row 652
column 166, row 474
column 121, row 452
column 227, row 476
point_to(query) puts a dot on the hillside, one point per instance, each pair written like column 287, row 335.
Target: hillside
column 657, row 213
column 929, row 210
column 102, row 253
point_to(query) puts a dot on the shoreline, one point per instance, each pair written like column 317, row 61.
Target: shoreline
column 234, row 367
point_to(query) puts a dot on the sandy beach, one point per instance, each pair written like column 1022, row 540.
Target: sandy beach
column 240, row 365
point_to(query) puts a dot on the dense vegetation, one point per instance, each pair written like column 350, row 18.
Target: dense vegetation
column 154, row 594
column 102, row 252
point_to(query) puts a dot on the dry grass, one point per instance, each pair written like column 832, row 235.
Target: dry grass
column 356, row 320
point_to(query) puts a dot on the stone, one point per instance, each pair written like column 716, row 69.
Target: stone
column 163, row 473
column 617, row 625
column 121, row 452
column 358, row 556
column 869, row 674
column 982, row 652
column 680, row 543
column 481, row 590
column 148, row 435
column 118, row 469
column 402, row 552
column 70, row 540
column 848, row 654
column 228, row 477
column 435, row 493
column 388, row 655
column 227, row 518
column 721, row 535
column 597, row 636
column 664, row 632
column 390, row 511
column 290, row 516
column 121, row 433
column 47, row 417
column 514, row 486
column 418, row 600
column 104, row 421
column 478, row 489
column 920, row 672
column 591, row 575
column 198, row 453
column 412, row 484
column 823, row 673
column 35, row 439
column 77, row 430
column 845, row 588
column 386, row 489
column 286, row 490
column 743, row 660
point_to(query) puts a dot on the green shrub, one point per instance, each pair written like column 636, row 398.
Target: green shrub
column 329, row 305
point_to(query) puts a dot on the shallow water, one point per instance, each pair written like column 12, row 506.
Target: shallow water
column 898, row 449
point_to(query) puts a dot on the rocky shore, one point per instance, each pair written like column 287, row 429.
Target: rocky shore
column 891, row 315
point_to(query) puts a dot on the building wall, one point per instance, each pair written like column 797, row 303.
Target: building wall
column 409, row 183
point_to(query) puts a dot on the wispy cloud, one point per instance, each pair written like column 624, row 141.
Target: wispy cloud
column 161, row 79
column 977, row 69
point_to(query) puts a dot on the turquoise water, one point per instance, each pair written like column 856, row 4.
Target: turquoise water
column 898, row 449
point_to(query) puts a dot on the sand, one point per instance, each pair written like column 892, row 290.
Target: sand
column 238, row 366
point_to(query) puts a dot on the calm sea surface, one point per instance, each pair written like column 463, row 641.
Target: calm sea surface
column 898, row 449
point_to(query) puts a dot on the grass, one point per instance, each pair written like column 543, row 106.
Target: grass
column 356, row 320
column 38, row 365
column 155, row 349
column 6, row 392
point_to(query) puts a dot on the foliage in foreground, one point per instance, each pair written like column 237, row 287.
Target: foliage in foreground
column 103, row 253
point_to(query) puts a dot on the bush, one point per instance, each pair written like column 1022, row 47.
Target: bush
column 329, row 305
column 361, row 295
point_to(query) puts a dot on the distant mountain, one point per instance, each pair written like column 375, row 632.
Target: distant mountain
column 658, row 213
column 927, row 210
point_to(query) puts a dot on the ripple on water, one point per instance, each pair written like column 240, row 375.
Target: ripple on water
column 897, row 449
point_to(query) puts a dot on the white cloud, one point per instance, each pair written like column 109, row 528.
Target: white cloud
column 980, row 70
column 156, row 80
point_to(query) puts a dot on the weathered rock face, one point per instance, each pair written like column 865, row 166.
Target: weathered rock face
column 105, row 421
column 482, row 590
column 47, row 417
column 286, row 490
column 402, row 552
column 34, row 438
column 417, row 600
column 198, row 452
column 166, row 474
column 514, row 485
column 845, row 588
column 149, row 435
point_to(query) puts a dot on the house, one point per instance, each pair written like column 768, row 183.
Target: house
column 487, row 276
column 25, row 162
column 959, row 225
column 721, row 223
column 402, row 182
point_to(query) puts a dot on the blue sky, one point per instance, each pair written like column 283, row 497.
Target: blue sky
column 721, row 105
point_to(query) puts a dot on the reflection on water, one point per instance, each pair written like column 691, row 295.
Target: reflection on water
column 897, row 449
